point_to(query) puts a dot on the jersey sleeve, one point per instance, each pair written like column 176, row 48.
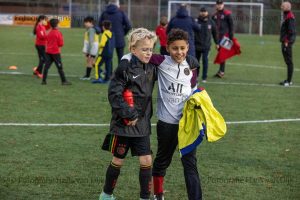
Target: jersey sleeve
column 194, row 79
column 157, row 59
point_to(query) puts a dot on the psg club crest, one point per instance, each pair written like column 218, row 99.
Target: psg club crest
column 186, row 71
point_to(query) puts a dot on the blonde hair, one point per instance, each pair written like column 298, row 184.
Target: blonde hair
column 139, row 34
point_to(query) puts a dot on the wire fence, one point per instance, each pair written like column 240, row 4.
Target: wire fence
column 145, row 13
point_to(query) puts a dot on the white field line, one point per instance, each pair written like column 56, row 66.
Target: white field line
column 54, row 125
column 31, row 74
column 107, row 125
column 208, row 82
column 34, row 54
column 264, row 121
column 246, row 84
column 230, row 63
column 261, row 66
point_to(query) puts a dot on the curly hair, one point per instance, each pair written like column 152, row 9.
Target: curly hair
column 177, row 34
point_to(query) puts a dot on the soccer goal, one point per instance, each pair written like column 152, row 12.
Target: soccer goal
column 247, row 16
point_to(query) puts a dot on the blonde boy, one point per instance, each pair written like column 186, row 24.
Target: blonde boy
column 130, row 124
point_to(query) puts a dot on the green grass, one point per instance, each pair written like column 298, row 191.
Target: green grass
column 253, row 161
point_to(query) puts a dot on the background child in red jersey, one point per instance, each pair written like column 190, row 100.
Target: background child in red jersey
column 54, row 43
column 39, row 31
column 161, row 32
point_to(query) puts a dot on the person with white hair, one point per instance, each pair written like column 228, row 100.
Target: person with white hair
column 287, row 39
column 120, row 25
column 115, row 2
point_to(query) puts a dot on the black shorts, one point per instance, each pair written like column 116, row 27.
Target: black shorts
column 119, row 145
column 89, row 55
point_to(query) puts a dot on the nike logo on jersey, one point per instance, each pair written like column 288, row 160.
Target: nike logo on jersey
column 134, row 77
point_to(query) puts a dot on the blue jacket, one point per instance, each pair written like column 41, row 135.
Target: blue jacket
column 120, row 23
column 183, row 21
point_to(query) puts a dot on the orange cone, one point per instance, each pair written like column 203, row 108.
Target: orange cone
column 13, row 67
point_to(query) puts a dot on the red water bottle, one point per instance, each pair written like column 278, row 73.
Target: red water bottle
column 128, row 98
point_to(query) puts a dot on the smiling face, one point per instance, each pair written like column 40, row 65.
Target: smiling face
column 143, row 50
column 178, row 50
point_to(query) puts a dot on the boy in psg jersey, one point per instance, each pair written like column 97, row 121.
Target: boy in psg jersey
column 177, row 76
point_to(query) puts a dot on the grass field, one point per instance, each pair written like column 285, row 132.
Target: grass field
column 254, row 160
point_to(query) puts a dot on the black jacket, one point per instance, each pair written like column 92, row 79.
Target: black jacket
column 288, row 28
column 139, row 78
column 203, row 37
column 224, row 24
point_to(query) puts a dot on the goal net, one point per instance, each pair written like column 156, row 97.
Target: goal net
column 247, row 17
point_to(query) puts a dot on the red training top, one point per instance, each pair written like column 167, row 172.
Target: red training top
column 41, row 37
column 161, row 32
column 55, row 40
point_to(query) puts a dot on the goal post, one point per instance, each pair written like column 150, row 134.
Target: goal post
column 251, row 5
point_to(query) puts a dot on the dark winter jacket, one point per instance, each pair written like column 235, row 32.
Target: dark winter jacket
column 203, row 37
column 120, row 23
column 288, row 28
column 138, row 77
column 224, row 24
column 183, row 21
